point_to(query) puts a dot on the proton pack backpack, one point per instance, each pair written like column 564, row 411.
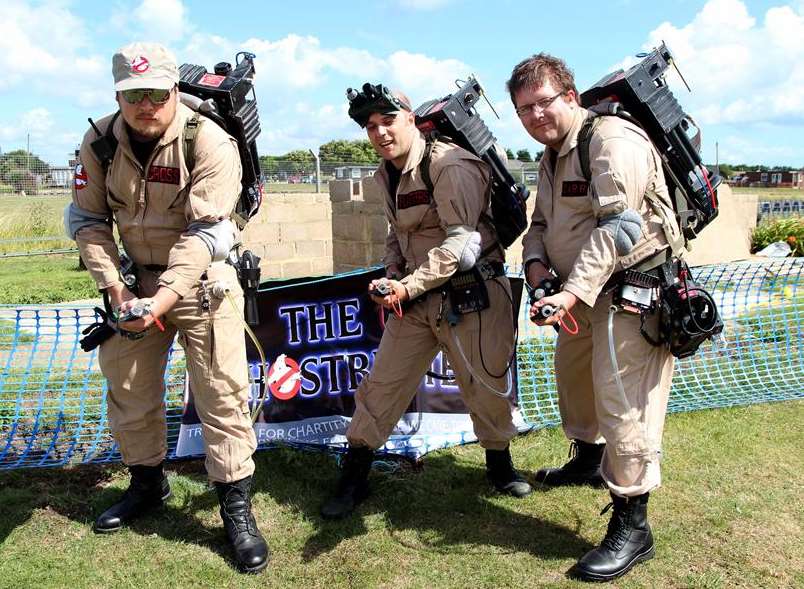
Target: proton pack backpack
column 227, row 98
column 453, row 119
column 641, row 96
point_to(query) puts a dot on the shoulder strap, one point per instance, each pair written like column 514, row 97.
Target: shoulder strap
column 105, row 146
column 425, row 165
column 584, row 139
column 190, row 133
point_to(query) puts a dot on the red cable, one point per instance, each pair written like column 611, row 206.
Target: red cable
column 565, row 326
column 709, row 185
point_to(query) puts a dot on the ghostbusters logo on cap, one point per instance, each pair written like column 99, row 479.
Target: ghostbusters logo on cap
column 140, row 65
column 80, row 177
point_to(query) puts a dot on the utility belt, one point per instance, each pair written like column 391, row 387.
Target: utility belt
column 688, row 315
column 467, row 290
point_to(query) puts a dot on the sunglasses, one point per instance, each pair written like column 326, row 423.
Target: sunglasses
column 156, row 95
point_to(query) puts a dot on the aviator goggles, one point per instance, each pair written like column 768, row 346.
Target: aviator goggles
column 155, row 95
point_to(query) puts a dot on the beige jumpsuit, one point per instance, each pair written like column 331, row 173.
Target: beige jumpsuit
column 418, row 223
column 153, row 208
column 564, row 234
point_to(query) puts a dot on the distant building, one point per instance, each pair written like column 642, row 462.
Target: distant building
column 354, row 172
column 769, row 179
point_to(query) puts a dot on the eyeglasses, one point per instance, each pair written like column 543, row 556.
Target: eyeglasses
column 538, row 106
column 156, row 95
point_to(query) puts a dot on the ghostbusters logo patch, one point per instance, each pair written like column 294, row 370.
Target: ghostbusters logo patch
column 163, row 175
column 140, row 65
column 412, row 199
column 574, row 188
column 80, row 178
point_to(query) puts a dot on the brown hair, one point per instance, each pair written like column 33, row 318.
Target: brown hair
column 533, row 71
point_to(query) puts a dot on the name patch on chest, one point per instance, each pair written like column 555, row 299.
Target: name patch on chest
column 163, row 174
column 412, row 199
column 574, row 188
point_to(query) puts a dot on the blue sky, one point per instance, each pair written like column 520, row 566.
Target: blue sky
column 744, row 60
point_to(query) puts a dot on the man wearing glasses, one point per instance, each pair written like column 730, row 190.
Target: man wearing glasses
column 169, row 179
column 587, row 232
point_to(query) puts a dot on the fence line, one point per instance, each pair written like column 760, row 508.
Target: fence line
column 52, row 401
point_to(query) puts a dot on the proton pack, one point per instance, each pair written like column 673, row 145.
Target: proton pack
column 227, row 97
column 454, row 119
column 641, row 96
column 224, row 98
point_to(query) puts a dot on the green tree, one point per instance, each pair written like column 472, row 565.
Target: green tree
column 509, row 154
column 523, row 155
column 357, row 151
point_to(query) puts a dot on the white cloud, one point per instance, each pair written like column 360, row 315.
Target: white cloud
column 742, row 70
column 163, row 21
column 44, row 46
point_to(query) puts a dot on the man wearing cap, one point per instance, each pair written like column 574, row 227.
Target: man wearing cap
column 438, row 228
column 588, row 226
column 169, row 179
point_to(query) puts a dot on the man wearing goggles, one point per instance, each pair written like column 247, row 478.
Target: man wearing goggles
column 172, row 210
column 435, row 232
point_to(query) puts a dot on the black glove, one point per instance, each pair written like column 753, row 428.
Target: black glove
column 97, row 333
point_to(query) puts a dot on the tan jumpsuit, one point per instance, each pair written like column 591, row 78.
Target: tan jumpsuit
column 153, row 208
column 564, row 234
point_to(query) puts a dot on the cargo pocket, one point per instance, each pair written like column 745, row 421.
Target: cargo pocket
column 229, row 367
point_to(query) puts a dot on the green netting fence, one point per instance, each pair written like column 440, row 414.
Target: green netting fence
column 52, row 395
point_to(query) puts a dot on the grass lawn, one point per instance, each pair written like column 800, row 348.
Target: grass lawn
column 771, row 193
column 729, row 515
column 44, row 279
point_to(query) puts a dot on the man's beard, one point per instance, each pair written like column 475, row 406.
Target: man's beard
column 149, row 131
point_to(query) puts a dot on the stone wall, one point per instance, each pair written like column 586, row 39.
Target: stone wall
column 300, row 234
column 292, row 234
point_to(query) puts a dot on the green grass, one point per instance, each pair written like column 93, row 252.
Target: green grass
column 728, row 515
column 44, row 279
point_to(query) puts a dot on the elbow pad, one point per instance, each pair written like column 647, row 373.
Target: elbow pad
column 463, row 243
column 76, row 218
column 625, row 228
column 218, row 237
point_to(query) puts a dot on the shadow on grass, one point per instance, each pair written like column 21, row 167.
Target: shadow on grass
column 80, row 494
column 443, row 505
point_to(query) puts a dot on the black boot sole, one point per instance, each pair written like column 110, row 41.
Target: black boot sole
column 254, row 570
column 599, row 578
column 147, row 510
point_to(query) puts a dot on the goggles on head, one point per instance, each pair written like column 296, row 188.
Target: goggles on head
column 373, row 99
column 156, row 95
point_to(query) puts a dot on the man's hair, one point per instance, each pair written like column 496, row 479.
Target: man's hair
column 536, row 69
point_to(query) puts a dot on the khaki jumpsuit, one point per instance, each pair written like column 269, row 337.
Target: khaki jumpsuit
column 153, row 208
column 564, row 234
column 418, row 222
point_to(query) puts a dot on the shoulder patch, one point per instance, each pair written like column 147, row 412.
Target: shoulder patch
column 80, row 177
column 575, row 188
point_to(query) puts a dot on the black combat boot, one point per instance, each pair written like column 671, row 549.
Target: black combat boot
column 628, row 541
column 583, row 467
column 148, row 489
column 251, row 550
column 501, row 473
column 352, row 486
